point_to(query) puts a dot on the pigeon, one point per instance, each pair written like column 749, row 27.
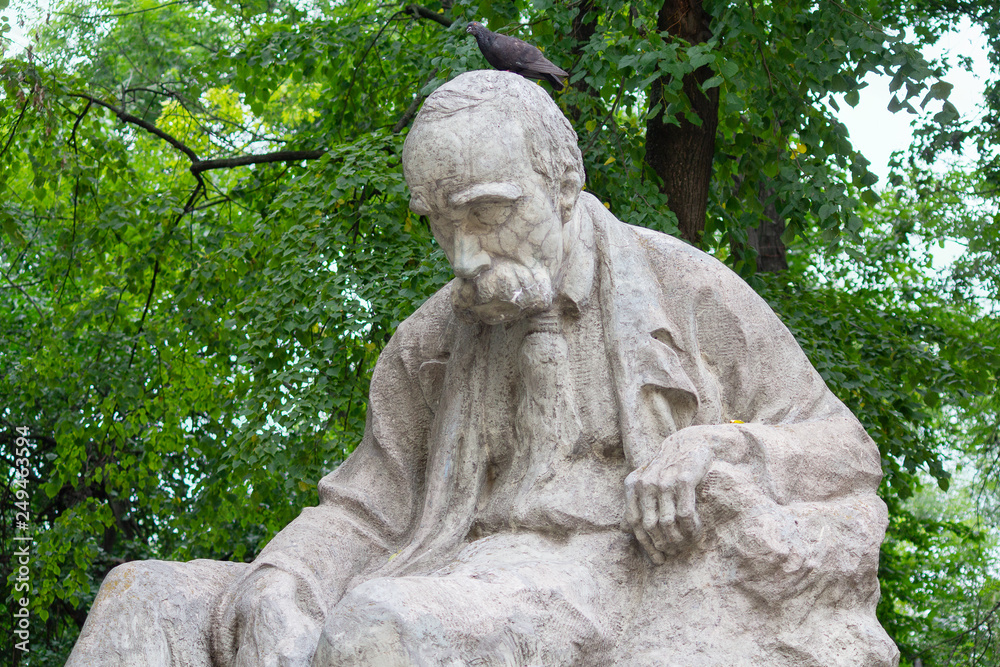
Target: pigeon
column 515, row 55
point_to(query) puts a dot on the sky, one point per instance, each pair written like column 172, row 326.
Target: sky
column 877, row 133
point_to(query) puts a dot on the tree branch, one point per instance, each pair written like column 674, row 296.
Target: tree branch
column 199, row 166
column 26, row 296
column 423, row 13
column 760, row 48
column 145, row 310
column 135, row 120
column 364, row 56
column 955, row 637
column 411, row 110
column 614, row 107
column 24, row 107
column 92, row 17
column 76, row 125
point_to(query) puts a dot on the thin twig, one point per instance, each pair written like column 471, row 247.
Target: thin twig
column 198, row 165
column 364, row 56
column 614, row 107
column 857, row 16
column 961, row 634
column 210, row 203
column 79, row 119
column 411, row 110
column 763, row 58
column 135, row 120
column 31, row 284
column 24, row 107
column 145, row 310
column 72, row 242
column 26, row 295
column 91, row 17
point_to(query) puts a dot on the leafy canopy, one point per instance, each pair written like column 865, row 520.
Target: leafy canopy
column 206, row 244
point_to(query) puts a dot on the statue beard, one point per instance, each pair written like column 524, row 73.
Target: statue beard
column 505, row 292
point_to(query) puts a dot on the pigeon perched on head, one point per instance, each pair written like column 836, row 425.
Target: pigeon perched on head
column 515, row 55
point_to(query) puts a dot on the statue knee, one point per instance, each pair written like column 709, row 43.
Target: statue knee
column 123, row 577
column 374, row 625
column 153, row 613
column 124, row 625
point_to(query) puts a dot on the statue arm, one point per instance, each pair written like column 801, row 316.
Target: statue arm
column 776, row 422
column 366, row 508
column 813, row 461
column 799, row 441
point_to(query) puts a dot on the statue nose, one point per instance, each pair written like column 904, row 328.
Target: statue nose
column 469, row 260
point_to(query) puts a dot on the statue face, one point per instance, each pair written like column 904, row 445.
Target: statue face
column 493, row 215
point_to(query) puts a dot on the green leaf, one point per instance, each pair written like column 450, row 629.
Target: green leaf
column 712, row 82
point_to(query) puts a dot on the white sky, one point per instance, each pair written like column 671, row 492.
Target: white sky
column 877, row 133
column 14, row 34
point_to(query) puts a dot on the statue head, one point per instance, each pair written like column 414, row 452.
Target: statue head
column 494, row 165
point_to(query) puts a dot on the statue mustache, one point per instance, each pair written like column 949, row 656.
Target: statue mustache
column 506, row 283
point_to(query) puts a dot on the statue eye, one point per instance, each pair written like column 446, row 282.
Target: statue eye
column 492, row 214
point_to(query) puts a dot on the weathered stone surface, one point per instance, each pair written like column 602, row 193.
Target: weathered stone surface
column 154, row 613
column 597, row 445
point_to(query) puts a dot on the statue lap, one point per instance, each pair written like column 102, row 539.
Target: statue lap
column 154, row 614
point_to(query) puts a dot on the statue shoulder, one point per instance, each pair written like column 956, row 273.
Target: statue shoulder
column 674, row 262
column 428, row 333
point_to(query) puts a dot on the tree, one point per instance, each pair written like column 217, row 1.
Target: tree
column 207, row 244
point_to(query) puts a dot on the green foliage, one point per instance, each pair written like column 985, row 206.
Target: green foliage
column 916, row 358
column 189, row 343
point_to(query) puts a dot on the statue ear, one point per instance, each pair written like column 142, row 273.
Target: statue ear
column 569, row 192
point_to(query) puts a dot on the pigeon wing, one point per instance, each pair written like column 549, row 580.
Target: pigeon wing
column 541, row 68
column 515, row 55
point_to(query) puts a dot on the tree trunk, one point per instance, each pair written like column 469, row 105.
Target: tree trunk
column 682, row 155
column 766, row 237
column 583, row 29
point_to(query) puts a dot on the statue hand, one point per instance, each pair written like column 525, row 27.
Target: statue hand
column 268, row 627
column 660, row 498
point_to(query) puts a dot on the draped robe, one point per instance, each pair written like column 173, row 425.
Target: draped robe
column 793, row 531
column 444, row 526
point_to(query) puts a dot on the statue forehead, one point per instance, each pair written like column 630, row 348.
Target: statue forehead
column 465, row 147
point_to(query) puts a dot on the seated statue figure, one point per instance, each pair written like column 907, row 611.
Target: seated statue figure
column 595, row 446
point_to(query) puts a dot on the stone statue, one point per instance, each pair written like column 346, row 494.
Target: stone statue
column 595, row 446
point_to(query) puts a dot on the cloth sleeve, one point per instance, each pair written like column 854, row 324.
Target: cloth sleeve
column 368, row 504
column 801, row 442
